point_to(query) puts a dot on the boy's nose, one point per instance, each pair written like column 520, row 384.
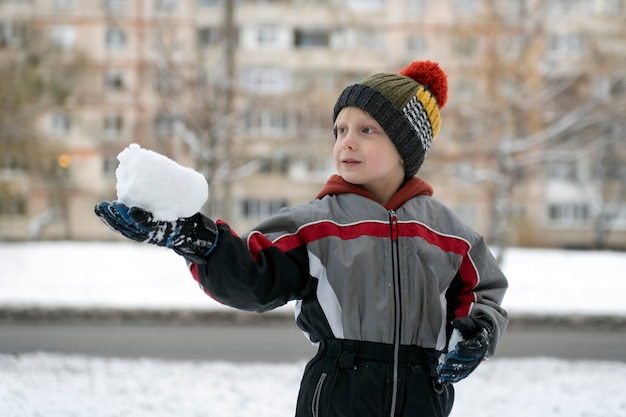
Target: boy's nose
column 349, row 142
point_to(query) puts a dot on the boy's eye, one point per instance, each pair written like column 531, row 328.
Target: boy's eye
column 368, row 130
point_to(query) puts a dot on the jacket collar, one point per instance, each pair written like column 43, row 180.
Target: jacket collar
column 413, row 187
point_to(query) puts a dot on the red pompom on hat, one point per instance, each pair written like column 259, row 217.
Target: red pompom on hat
column 431, row 76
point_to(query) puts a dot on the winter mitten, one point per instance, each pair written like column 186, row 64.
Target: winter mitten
column 468, row 346
column 193, row 237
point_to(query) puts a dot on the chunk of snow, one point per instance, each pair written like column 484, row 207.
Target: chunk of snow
column 455, row 338
column 156, row 183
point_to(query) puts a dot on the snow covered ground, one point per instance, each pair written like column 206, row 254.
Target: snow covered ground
column 128, row 275
column 59, row 386
column 132, row 275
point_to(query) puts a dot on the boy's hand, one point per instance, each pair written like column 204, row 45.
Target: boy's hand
column 193, row 237
column 469, row 352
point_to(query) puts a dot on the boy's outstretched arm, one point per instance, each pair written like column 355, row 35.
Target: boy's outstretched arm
column 232, row 275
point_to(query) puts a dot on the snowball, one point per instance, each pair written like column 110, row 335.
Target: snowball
column 155, row 183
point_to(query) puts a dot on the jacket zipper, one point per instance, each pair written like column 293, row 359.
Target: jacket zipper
column 317, row 394
column 397, row 310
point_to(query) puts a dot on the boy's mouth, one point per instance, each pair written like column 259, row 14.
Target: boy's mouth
column 350, row 162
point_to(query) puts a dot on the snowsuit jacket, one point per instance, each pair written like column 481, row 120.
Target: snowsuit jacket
column 393, row 275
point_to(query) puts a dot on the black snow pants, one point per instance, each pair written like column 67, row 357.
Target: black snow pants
column 349, row 378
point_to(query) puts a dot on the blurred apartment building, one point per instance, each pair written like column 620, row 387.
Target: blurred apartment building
column 532, row 146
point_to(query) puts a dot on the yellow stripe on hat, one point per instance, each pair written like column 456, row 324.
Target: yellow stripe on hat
column 431, row 107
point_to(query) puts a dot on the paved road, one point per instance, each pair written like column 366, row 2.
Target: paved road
column 274, row 342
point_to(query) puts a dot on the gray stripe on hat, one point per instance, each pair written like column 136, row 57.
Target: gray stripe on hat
column 417, row 116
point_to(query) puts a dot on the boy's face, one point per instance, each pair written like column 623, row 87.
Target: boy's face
column 364, row 154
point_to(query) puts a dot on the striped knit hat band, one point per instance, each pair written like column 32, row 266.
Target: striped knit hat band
column 407, row 109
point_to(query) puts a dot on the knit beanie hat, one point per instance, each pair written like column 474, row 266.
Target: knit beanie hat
column 406, row 105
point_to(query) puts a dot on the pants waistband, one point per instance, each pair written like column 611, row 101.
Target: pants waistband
column 350, row 350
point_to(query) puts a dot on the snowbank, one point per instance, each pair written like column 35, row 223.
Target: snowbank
column 138, row 276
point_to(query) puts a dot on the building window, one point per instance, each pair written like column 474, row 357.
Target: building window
column 618, row 87
column 12, row 205
column 415, row 6
column 569, row 214
column 465, row 46
column 109, row 165
column 63, row 4
column 311, row 38
column 278, row 165
column 358, row 38
column 562, row 170
column 10, row 162
column 510, row 47
column 113, row 125
column 114, row 80
column 267, row 36
column 314, row 80
column 208, row 36
column 616, row 212
column 268, row 123
column 601, row 87
column 260, row 208
column 166, row 4
column 209, row 3
column 512, row 88
column 164, row 38
column 565, row 44
column 13, row 34
column 115, row 39
column 465, row 7
column 310, row 168
column 365, row 5
column 265, row 80
column 163, row 126
column 60, row 123
column 515, row 10
column 115, row 5
column 315, row 122
column 416, row 44
column 167, row 82
column 569, row 6
column 612, row 167
column 64, row 36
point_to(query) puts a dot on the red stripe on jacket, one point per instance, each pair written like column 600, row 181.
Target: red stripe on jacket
column 319, row 230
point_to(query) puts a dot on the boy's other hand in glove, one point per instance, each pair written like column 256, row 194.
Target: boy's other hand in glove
column 193, row 237
column 474, row 337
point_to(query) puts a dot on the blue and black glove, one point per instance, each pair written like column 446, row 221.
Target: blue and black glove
column 462, row 359
column 192, row 237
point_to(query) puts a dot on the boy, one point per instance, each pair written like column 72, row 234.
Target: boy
column 385, row 276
